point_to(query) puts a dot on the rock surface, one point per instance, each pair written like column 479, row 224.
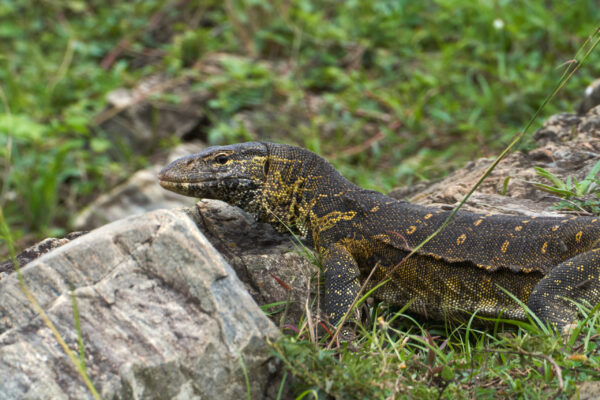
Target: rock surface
column 36, row 251
column 162, row 316
column 589, row 390
column 274, row 267
column 569, row 145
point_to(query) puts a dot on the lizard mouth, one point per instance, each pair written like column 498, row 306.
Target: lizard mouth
column 210, row 188
column 173, row 181
column 198, row 182
column 196, row 187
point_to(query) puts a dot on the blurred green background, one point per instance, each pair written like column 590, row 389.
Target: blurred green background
column 392, row 91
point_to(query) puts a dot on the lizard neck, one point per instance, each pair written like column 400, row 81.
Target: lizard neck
column 297, row 183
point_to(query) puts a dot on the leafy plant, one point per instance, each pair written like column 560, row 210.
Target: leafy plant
column 577, row 196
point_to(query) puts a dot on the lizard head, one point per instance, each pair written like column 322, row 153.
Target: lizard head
column 234, row 173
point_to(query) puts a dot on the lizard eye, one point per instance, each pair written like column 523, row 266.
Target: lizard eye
column 221, row 159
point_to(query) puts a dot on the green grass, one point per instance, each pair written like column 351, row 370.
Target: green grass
column 400, row 358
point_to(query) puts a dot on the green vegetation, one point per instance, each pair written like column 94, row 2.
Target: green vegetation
column 391, row 91
column 398, row 358
column 573, row 195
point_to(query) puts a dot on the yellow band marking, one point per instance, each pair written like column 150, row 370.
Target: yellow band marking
column 544, row 247
column 518, row 228
column 479, row 221
column 428, row 216
column 460, row 240
column 504, row 246
column 554, row 228
column 578, row 236
column 330, row 220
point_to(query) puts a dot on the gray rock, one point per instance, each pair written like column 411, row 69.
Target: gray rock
column 274, row 267
column 569, row 147
column 162, row 316
column 36, row 251
column 558, row 128
column 591, row 121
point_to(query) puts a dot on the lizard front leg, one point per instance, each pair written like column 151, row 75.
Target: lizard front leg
column 577, row 279
column 341, row 281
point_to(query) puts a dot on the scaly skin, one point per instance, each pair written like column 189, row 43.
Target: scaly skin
column 542, row 261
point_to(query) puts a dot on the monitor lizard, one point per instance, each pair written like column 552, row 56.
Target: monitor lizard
column 545, row 262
